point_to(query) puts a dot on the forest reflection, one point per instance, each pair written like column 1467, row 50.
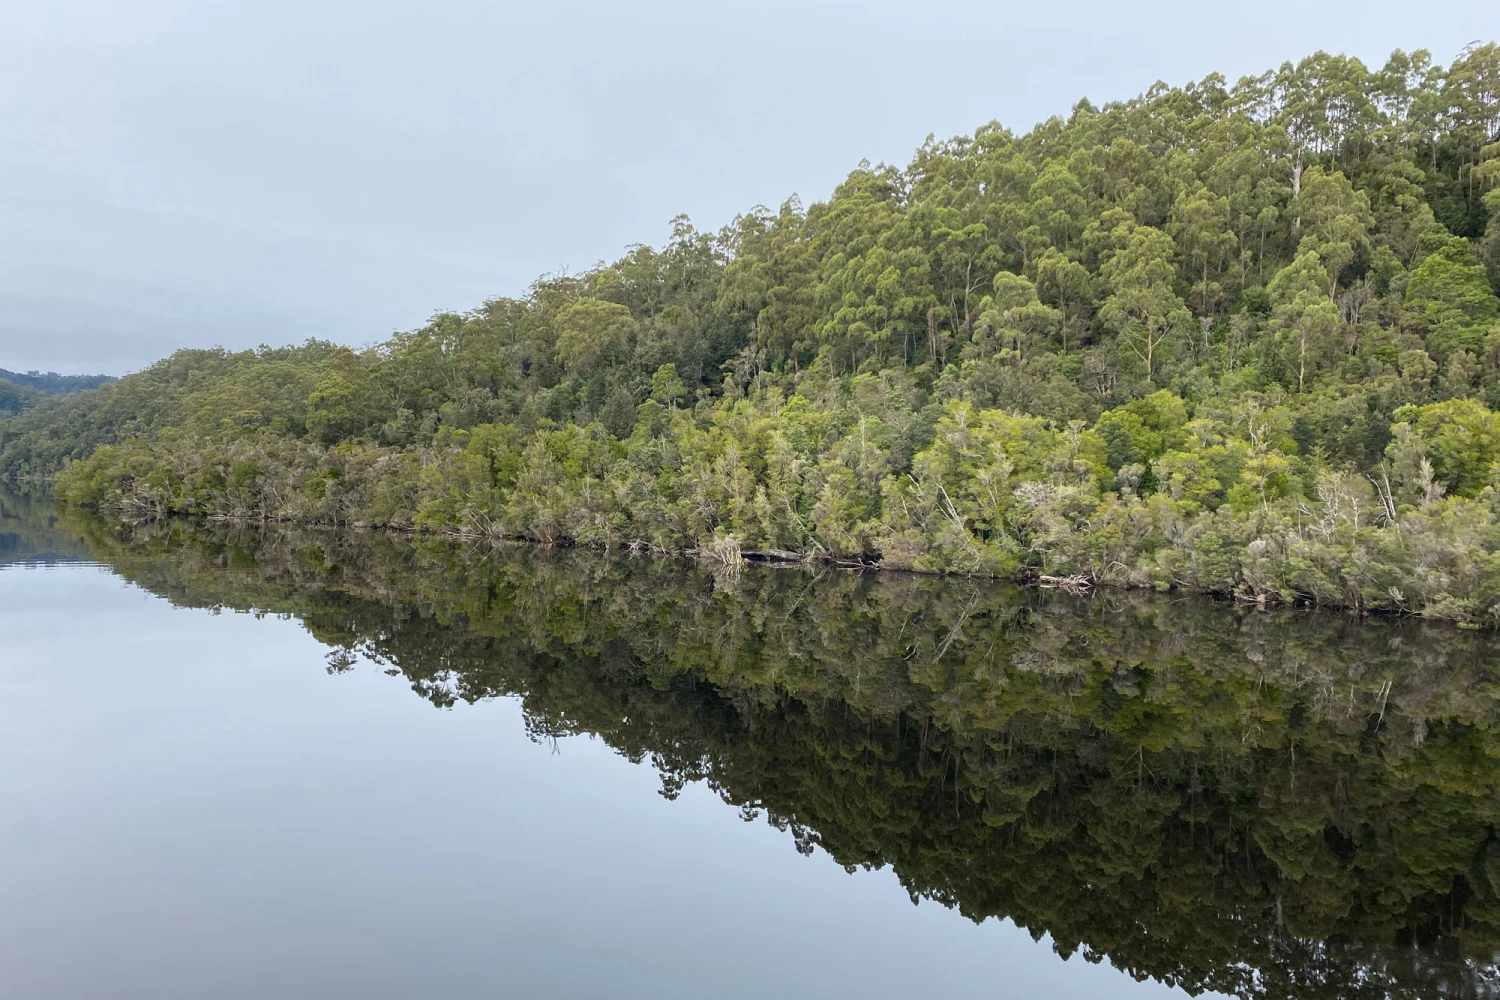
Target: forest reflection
column 1284, row 804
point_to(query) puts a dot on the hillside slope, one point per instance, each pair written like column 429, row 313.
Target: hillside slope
column 1235, row 338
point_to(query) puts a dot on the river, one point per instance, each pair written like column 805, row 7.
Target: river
column 250, row 761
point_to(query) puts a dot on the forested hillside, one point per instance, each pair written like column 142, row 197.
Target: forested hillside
column 53, row 384
column 21, row 391
column 15, row 398
column 1241, row 338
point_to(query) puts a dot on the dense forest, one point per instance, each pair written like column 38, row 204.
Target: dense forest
column 1235, row 338
column 15, row 397
column 53, row 384
column 20, row 391
column 1276, row 806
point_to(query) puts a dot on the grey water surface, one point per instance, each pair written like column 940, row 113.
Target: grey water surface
column 426, row 770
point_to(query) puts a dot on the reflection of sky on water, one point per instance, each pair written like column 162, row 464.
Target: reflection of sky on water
column 195, row 804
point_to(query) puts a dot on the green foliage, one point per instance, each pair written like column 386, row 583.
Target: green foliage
column 591, row 330
column 1144, row 310
column 1451, row 296
column 1135, row 346
column 340, row 407
column 211, row 394
column 1144, row 429
column 666, row 388
column 1462, row 438
column 14, row 398
column 53, row 384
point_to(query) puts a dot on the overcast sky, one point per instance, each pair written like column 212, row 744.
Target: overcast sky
column 182, row 173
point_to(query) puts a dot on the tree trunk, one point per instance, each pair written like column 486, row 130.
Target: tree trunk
column 1297, row 189
column 1302, row 358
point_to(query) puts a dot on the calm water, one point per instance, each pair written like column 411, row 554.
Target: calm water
column 438, row 770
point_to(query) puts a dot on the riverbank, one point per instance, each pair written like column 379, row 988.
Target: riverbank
column 1438, row 558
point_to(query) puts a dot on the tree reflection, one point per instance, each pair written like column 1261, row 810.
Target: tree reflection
column 29, row 533
column 1269, row 805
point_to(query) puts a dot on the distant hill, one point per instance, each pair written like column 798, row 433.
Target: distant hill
column 54, row 384
column 15, row 398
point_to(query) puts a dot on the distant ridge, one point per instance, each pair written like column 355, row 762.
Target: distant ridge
column 54, row 384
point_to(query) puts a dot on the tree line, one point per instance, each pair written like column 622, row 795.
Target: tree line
column 20, row 391
column 1238, row 338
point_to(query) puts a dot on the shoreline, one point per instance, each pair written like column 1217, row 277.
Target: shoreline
column 1078, row 585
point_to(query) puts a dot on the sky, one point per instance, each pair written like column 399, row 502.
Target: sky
column 193, row 173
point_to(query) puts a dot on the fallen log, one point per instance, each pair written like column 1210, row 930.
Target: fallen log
column 772, row 555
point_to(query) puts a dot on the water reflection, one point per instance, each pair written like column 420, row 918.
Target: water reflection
column 29, row 534
column 1277, row 805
